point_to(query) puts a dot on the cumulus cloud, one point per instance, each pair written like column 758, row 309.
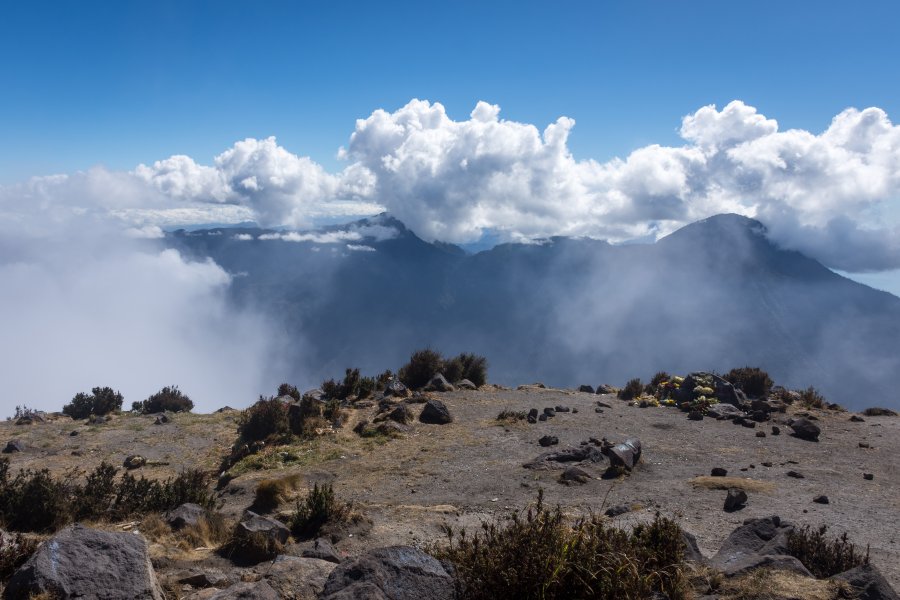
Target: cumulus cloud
column 834, row 195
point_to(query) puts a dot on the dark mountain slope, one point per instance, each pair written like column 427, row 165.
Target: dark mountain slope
column 713, row 295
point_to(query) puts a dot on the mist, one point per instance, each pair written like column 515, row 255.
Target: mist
column 85, row 303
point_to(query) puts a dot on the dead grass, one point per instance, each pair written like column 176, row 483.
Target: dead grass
column 765, row 584
column 724, row 483
column 271, row 493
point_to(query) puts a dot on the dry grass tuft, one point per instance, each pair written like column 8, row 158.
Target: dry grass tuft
column 270, row 493
column 724, row 483
column 765, row 584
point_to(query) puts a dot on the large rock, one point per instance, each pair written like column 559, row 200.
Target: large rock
column 735, row 500
column 465, row 384
column 259, row 590
column 438, row 383
column 394, row 573
column 14, row 446
column 396, row 389
column 400, row 413
column 587, row 389
column 257, row 538
column 188, row 514
column 868, row 583
column 79, row 562
column 805, row 429
column 295, row 578
column 724, row 411
column 626, row 455
column 436, row 413
column 756, row 544
column 323, row 550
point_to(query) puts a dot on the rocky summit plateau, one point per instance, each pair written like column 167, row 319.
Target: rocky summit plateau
column 367, row 496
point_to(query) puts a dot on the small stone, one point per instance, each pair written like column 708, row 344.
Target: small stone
column 598, row 410
column 560, row 409
column 857, row 419
column 695, row 415
column 543, row 417
column 719, row 472
column 548, row 440
column 805, row 429
column 868, row 476
column 795, row 475
column 864, row 444
column 767, row 464
column 550, row 412
column 735, row 499
column 776, row 430
column 760, row 433
column 574, row 475
column 134, row 461
column 73, row 433
column 749, row 424
column 615, row 511
column 587, row 389
column 823, row 499
column 533, row 416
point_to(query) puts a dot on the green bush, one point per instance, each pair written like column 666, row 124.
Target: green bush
column 167, row 399
column 286, row 389
column 755, row 382
column 824, row 557
column 542, row 555
column 632, row 390
column 100, row 401
column 318, row 508
column 264, row 420
column 422, row 366
column 36, row 501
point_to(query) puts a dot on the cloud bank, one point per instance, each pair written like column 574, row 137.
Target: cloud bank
column 834, row 195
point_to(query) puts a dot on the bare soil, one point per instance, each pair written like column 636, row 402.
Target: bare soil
column 471, row 470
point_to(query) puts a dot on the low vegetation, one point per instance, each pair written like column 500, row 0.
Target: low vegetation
column 271, row 493
column 633, row 389
column 824, row 556
column 318, row 508
column 101, row 401
column 541, row 555
column 170, row 398
column 265, row 420
column 14, row 552
column 754, row 382
column 511, row 416
column 36, row 501
column 811, row 398
column 424, row 364
column 877, row 411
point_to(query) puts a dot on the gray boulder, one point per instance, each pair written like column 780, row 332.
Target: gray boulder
column 805, row 429
column 465, row 384
column 188, row 514
column 724, row 411
column 755, row 544
column 735, row 500
column 587, row 389
column 257, row 538
column 259, row 590
column 323, row 550
column 79, row 562
column 394, row 573
column 14, row 446
column 295, row 578
column 396, row 389
column 868, row 583
column 438, row 383
column 435, row 412
column 626, row 455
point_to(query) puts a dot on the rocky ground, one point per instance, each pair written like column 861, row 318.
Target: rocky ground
column 471, row 470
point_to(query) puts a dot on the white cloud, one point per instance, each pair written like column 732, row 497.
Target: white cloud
column 353, row 233
column 360, row 248
column 834, row 194
column 243, row 237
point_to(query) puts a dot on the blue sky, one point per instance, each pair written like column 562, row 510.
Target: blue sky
column 119, row 83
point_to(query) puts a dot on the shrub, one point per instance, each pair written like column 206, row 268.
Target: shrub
column 353, row 384
column 540, row 555
column 251, row 548
column 286, row 389
column 100, row 401
column 659, row 378
column 512, row 415
column 452, row 369
column 474, row 368
column 383, row 379
column 36, row 501
column 14, row 553
column 824, row 557
column 167, row 399
column 266, row 419
column 422, row 366
column 318, row 508
column 811, row 398
column 632, row 390
column 752, row 380
column 23, row 412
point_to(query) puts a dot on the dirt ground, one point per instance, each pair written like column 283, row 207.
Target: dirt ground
column 471, row 470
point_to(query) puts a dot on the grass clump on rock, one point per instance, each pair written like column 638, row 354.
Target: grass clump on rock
column 541, row 555
column 101, row 401
column 424, row 364
column 170, row 398
column 824, row 557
